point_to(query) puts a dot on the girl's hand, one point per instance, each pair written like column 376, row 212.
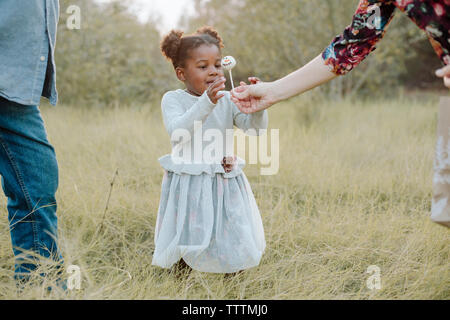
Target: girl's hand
column 254, row 97
column 444, row 73
column 214, row 88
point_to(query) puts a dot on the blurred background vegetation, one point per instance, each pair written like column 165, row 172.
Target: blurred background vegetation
column 115, row 60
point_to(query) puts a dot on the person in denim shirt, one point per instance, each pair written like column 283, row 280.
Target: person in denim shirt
column 28, row 165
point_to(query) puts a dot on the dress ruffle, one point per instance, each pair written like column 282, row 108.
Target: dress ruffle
column 196, row 169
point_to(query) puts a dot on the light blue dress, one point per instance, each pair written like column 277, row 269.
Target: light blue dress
column 206, row 216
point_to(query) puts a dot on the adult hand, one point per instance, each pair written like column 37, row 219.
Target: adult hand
column 254, row 97
column 214, row 88
column 444, row 73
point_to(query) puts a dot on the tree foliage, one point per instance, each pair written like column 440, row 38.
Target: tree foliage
column 112, row 59
column 273, row 38
column 115, row 59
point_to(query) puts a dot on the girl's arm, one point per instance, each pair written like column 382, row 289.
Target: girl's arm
column 175, row 115
column 258, row 120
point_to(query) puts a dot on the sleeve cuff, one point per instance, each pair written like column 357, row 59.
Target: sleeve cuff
column 204, row 105
column 207, row 98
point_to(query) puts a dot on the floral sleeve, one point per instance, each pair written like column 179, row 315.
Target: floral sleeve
column 433, row 17
column 367, row 28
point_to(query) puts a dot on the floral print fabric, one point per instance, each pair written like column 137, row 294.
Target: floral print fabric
column 369, row 26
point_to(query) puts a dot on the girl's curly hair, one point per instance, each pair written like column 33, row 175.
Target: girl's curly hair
column 175, row 47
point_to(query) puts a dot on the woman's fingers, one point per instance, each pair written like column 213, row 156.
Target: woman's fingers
column 243, row 99
column 447, row 82
column 239, row 89
column 443, row 72
column 242, row 105
column 238, row 102
column 248, row 98
column 240, row 92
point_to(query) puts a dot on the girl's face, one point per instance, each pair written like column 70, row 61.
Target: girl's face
column 201, row 69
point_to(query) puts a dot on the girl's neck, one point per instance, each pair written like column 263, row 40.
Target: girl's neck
column 191, row 92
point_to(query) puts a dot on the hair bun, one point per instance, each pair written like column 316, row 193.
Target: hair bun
column 211, row 32
column 171, row 43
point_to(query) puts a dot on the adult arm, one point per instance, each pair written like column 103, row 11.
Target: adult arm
column 257, row 97
column 346, row 51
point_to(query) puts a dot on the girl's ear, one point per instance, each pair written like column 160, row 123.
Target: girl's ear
column 180, row 74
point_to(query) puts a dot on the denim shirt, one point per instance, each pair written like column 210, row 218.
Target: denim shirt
column 27, row 47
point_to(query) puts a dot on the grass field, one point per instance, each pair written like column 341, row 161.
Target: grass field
column 353, row 190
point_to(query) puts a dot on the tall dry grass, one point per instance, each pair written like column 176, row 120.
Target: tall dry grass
column 353, row 190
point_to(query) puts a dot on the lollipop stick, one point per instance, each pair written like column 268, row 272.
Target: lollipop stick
column 231, row 79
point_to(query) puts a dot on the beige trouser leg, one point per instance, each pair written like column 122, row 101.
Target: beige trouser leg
column 440, row 208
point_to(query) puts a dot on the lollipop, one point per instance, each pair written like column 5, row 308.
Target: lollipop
column 228, row 63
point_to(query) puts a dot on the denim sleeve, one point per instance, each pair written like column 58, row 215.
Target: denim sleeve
column 27, row 42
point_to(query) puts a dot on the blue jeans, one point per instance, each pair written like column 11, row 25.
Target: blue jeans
column 29, row 173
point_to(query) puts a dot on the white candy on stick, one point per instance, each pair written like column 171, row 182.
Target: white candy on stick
column 228, row 63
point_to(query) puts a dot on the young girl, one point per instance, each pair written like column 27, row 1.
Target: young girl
column 207, row 214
